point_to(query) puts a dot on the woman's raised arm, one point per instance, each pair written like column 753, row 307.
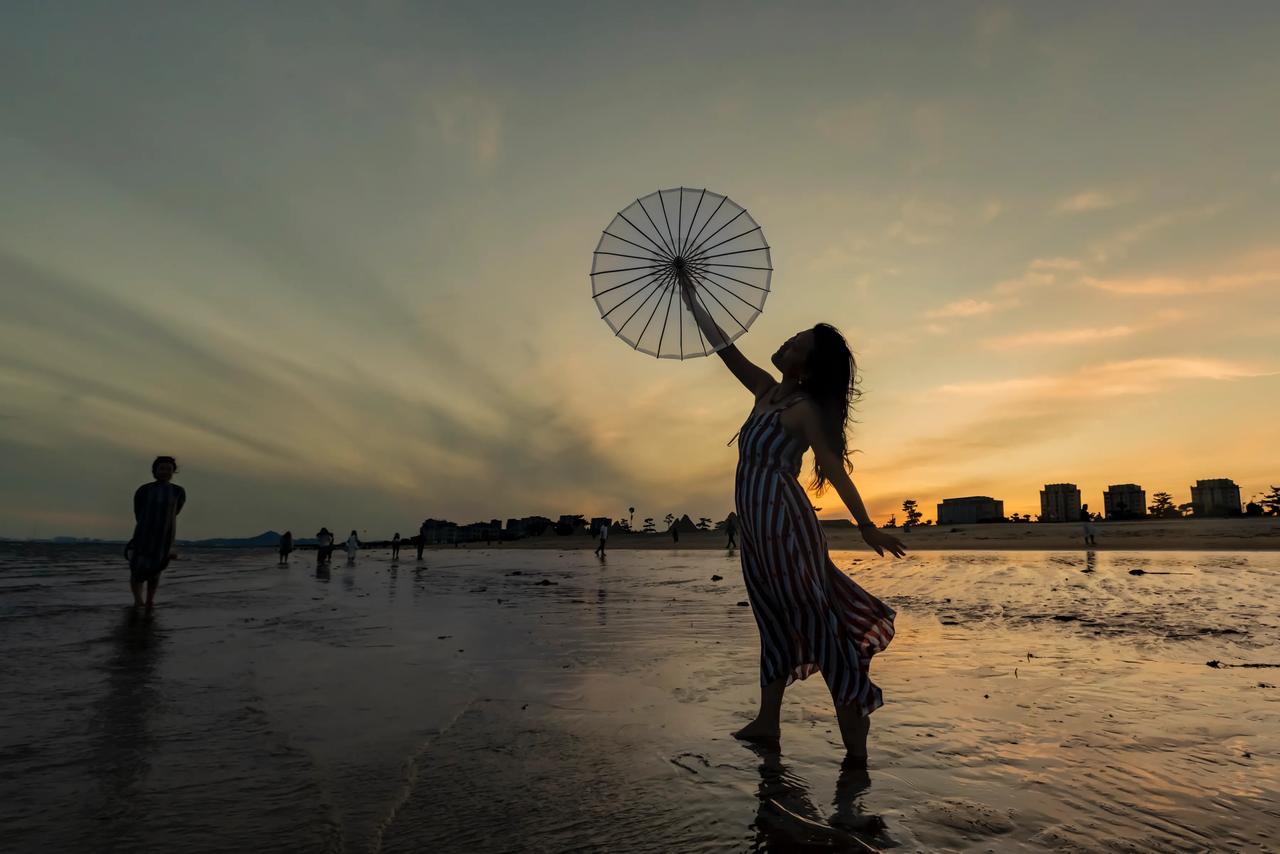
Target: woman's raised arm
column 752, row 376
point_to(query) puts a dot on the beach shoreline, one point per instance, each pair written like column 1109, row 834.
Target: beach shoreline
column 1241, row 534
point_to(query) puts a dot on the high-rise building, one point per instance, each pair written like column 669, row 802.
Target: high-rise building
column 1060, row 502
column 1217, row 496
column 969, row 510
column 1125, row 501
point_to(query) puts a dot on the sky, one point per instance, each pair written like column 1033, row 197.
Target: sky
column 335, row 258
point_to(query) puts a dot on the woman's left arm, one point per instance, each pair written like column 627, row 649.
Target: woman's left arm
column 833, row 467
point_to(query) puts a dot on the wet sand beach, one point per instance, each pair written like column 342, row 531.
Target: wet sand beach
column 540, row 700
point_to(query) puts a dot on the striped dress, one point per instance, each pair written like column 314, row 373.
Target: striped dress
column 811, row 616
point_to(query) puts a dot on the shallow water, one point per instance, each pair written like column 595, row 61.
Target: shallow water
column 1034, row 702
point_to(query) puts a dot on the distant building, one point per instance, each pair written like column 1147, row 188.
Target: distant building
column 1218, row 496
column 1060, row 502
column 528, row 526
column 439, row 531
column 970, row 510
column 1125, row 501
column 572, row 523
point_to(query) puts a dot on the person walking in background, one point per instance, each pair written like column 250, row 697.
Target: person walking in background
column 422, row 537
column 675, row 532
column 1086, row 524
column 286, row 546
column 156, row 506
column 731, row 528
column 395, row 546
column 352, row 546
column 324, row 546
column 604, row 536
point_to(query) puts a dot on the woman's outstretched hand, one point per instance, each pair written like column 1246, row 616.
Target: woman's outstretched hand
column 880, row 541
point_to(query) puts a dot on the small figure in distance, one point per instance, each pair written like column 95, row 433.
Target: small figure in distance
column 395, row 546
column 1086, row 523
column 286, row 547
column 156, row 506
column 324, row 546
column 422, row 537
column 604, row 536
column 352, row 546
column 731, row 528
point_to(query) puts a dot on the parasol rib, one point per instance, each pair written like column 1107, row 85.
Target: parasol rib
column 657, row 290
column 723, row 199
column 727, row 276
column 656, row 279
column 666, row 219
column 692, row 220
column 695, row 250
column 661, row 252
column 633, row 243
column 706, row 249
column 723, row 306
column 656, row 230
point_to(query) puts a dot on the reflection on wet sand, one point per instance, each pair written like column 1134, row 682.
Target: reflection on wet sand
column 786, row 819
column 122, row 748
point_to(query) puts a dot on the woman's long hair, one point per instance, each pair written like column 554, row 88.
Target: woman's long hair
column 831, row 381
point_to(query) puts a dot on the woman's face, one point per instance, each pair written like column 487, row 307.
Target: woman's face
column 793, row 355
column 163, row 471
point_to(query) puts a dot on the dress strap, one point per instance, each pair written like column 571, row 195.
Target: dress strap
column 791, row 401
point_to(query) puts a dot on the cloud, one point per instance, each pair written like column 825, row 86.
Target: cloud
column 963, row 308
column 991, row 210
column 1091, row 200
column 1057, row 337
column 993, row 21
column 1115, row 245
column 471, row 122
column 858, row 125
column 1112, row 379
column 920, row 222
column 1251, row 269
column 1081, row 335
column 1020, row 412
column 1038, row 273
column 1174, row 286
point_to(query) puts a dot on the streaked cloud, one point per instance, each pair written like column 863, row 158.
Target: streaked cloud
column 1111, row 379
column 1118, row 244
column 967, row 307
column 1091, row 200
column 1057, row 337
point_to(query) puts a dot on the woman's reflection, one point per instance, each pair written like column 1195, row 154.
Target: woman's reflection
column 786, row 819
column 123, row 741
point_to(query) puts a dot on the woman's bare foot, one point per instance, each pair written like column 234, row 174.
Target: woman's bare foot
column 756, row 731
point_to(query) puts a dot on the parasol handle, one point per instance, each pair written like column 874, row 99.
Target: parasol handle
column 689, row 294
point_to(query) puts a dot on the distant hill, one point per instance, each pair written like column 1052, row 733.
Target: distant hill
column 265, row 539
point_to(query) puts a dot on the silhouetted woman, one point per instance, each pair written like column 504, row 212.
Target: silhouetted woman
column 395, row 546
column 286, row 547
column 811, row 616
column 352, row 546
column 156, row 506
